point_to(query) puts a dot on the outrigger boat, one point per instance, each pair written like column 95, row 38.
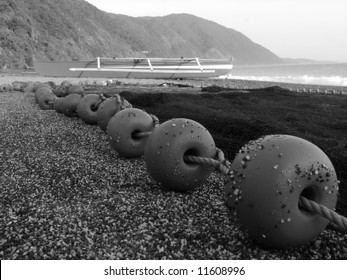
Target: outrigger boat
column 162, row 68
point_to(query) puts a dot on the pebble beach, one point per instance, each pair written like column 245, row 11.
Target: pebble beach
column 66, row 194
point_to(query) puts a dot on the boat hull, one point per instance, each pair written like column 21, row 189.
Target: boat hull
column 135, row 68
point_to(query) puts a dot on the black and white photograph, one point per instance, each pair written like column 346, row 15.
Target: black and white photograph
column 209, row 132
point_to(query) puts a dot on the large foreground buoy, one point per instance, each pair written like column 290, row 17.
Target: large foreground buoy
column 122, row 132
column 166, row 148
column 270, row 175
column 109, row 108
column 88, row 106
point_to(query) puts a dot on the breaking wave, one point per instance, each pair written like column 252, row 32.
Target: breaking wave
column 305, row 79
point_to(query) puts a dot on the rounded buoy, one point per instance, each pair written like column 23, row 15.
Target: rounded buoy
column 166, row 148
column 66, row 84
column 46, row 100
column 76, row 89
column 5, row 87
column 41, row 91
column 60, row 91
column 122, row 129
column 87, row 108
column 58, row 105
column 69, row 105
column 18, row 86
column 270, row 175
column 42, row 85
column 109, row 108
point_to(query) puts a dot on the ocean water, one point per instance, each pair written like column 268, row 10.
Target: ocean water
column 330, row 74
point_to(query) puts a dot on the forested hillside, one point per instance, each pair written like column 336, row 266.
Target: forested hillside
column 66, row 29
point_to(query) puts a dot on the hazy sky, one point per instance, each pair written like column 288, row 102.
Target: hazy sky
column 314, row 29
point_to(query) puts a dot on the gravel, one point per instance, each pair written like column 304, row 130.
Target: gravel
column 65, row 194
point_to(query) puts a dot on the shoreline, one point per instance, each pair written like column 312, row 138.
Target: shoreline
column 224, row 83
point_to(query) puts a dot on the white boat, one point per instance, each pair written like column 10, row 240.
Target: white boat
column 142, row 68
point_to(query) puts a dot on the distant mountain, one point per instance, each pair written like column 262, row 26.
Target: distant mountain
column 66, row 29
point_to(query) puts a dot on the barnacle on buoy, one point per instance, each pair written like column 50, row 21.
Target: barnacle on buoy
column 264, row 191
column 166, row 148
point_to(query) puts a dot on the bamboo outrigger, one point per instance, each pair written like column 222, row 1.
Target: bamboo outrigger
column 164, row 68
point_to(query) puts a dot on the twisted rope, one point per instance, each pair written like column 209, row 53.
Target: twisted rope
column 120, row 101
column 97, row 104
column 337, row 222
column 220, row 163
column 142, row 134
column 155, row 120
column 102, row 97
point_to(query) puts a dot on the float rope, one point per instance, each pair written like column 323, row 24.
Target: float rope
column 102, row 99
column 338, row 222
column 120, row 100
column 220, row 163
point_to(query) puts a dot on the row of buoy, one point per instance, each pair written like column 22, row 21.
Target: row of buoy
column 264, row 182
column 20, row 86
column 59, row 90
